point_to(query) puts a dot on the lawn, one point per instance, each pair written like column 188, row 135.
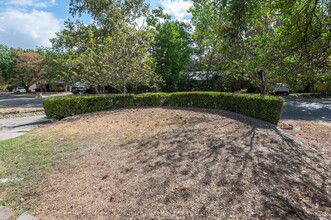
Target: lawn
column 164, row 163
column 23, row 163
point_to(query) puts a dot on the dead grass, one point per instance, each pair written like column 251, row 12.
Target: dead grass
column 312, row 134
column 182, row 164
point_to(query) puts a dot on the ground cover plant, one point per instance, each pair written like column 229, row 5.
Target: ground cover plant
column 267, row 108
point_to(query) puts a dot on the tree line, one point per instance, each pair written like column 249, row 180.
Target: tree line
column 227, row 42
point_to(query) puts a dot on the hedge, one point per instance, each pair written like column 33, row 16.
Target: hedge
column 267, row 108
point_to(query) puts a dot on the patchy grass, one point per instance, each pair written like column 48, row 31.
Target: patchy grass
column 23, row 162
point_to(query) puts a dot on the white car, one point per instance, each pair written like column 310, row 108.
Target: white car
column 19, row 90
column 281, row 88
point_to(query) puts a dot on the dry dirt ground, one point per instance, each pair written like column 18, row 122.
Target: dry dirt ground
column 159, row 163
column 311, row 134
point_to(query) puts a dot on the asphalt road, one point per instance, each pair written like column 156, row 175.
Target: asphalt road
column 14, row 127
column 307, row 109
column 19, row 100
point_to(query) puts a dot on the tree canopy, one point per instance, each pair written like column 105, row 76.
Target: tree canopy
column 171, row 48
column 266, row 40
column 29, row 69
column 8, row 59
column 226, row 42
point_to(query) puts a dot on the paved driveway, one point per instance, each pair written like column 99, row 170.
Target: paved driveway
column 8, row 99
column 14, row 127
column 307, row 109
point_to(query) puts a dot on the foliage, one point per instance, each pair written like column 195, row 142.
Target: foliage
column 209, row 50
column 109, row 15
column 54, row 65
column 171, row 48
column 2, row 83
column 112, row 51
column 268, row 41
column 29, row 69
column 267, row 108
column 8, row 59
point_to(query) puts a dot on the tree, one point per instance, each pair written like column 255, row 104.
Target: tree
column 122, row 59
column 8, row 59
column 54, row 65
column 171, row 48
column 126, row 59
column 29, row 69
column 110, row 51
column 268, row 41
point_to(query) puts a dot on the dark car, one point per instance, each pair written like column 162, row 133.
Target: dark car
column 80, row 90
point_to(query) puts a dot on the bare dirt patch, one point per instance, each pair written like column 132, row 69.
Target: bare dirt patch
column 313, row 134
column 159, row 163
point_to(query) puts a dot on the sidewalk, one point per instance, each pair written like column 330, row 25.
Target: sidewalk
column 14, row 127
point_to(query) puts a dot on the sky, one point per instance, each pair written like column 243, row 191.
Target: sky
column 31, row 23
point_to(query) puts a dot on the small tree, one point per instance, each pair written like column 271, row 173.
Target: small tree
column 115, row 61
column 29, row 69
column 126, row 59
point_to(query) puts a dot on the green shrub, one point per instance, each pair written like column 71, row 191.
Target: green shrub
column 151, row 99
column 267, row 108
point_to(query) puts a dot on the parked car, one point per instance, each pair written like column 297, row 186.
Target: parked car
column 19, row 90
column 81, row 90
column 281, row 88
column 78, row 90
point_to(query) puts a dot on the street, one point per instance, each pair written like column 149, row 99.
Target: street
column 14, row 127
column 318, row 110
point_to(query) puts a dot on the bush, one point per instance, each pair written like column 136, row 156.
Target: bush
column 267, row 108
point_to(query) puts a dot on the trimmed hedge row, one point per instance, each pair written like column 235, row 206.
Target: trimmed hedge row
column 267, row 108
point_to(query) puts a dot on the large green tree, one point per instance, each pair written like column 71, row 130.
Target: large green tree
column 268, row 41
column 8, row 59
column 171, row 48
column 110, row 51
column 54, row 65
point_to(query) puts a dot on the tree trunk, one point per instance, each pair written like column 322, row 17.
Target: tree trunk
column 40, row 94
column 124, row 87
column 263, row 84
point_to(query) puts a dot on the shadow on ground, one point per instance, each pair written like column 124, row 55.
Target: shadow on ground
column 184, row 163
column 307, row 109
column 240, row 173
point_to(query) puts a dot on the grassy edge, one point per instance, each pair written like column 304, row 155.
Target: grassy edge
column 25, row 160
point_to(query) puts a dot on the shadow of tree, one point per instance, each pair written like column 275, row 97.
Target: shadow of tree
column 223, row 168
